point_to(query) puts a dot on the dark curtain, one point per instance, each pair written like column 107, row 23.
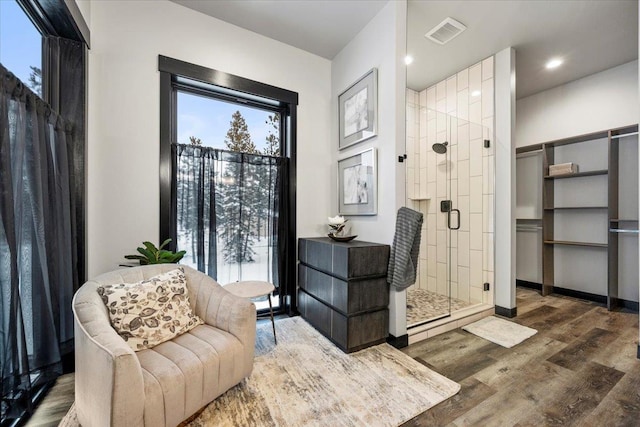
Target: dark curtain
column 230, row 212
column 65, row 91
column 37, row 245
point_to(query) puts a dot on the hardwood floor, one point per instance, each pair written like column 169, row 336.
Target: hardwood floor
column 55, row 404
column 580, row 369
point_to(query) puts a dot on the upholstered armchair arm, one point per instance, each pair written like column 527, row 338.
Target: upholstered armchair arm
column 108, row 374
column 225, row 311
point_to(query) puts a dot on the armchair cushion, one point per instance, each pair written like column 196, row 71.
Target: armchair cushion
column 151, row 311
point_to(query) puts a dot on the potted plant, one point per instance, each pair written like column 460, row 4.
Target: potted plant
column 150, row 254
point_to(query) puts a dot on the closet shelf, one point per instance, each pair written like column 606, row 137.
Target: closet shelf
column 578, row 174
column 575, row 207
column 568, row 243
column 616, row 228
column 623, row 231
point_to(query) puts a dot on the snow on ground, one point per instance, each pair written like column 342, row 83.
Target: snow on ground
column 260, row 269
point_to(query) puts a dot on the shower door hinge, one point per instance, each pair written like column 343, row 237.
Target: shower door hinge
column 486, row 286
column 401, row 158
column 487, row 143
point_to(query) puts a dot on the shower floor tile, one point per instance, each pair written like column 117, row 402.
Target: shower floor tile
column 424, row 305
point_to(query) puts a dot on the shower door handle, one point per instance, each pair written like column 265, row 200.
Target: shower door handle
column 449, row 219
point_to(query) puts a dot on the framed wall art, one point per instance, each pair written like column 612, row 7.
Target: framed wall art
column 358, row 110
column 358, row 184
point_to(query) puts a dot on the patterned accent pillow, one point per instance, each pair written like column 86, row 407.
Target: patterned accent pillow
column 152, row 311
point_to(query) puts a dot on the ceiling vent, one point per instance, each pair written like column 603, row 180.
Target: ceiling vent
column 445, row 31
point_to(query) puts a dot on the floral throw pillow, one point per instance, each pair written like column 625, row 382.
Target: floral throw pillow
column 152, row 311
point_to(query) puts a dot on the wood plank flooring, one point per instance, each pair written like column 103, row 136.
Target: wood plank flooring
column 55, row 404
column 580, row 369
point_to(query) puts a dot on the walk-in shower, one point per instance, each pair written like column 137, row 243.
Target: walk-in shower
column 450, row 180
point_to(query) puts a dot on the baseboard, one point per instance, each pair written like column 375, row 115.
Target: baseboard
column 600, row 299
column 529, row 285
column 398, row 342
column 68, row 363
column 507, row 312
column 629, row 305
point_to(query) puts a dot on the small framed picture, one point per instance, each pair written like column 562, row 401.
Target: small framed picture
column 358, row 110
column 357, row 184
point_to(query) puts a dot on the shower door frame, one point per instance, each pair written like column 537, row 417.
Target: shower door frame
column 453, row 224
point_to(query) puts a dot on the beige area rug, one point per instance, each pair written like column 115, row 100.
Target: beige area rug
column 500, row 331
column 307, row 381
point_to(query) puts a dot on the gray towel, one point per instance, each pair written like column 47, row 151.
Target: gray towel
column 403, row 261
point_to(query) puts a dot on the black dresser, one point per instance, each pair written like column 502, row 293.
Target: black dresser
column 343, row 290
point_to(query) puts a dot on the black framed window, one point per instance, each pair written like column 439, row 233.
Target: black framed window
column 43, row 47
column 227, row 175
column 21, row 45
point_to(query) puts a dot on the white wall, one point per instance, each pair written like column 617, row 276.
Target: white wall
column 379, row 45
column 123, row 144
column 382, row 45
column 605, row 100
column 505, row 231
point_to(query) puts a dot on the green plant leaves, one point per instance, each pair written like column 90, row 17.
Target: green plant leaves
column 165, row 243
column 150, row 254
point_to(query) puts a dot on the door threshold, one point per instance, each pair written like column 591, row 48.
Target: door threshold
column 425, row 322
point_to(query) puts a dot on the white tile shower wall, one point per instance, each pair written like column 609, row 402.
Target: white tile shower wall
column 459, row 110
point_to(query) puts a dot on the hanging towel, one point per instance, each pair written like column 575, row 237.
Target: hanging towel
column 403, row 260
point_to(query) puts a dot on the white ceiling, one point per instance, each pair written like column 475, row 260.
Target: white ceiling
column 322, row 27
column 590, row 35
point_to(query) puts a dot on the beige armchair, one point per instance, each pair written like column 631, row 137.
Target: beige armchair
column 168, row 383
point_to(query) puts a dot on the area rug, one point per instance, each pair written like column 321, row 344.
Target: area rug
column 500, row 331
column 305, row 380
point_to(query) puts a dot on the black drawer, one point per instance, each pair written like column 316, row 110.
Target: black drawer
column 349, row 333
column 348, row 297
column 349, row 260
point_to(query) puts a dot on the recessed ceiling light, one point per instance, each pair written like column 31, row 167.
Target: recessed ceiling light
column 476, row 93
column 554, row 63
column 408, row 59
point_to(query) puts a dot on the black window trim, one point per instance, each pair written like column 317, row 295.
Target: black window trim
column 172, row 75
column 58, row 18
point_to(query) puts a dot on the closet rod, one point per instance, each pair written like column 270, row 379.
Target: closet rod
column 532, row 228
column 528, row 153
column 623, row 231
column 623, row 135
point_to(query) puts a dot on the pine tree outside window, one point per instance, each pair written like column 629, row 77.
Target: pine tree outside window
column 244, row 249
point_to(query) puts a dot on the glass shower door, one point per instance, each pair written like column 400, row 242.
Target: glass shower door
column 450, row 181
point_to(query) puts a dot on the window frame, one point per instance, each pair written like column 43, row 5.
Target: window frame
column 176, row 75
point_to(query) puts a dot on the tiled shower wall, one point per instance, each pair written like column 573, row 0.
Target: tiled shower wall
column 459, row 110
